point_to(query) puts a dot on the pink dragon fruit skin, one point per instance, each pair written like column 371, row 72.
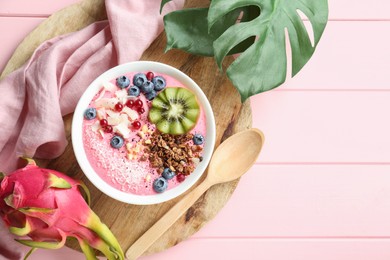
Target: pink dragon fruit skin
column 47, row 206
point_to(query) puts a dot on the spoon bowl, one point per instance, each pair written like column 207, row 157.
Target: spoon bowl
column 235, row 156
column 230, row 161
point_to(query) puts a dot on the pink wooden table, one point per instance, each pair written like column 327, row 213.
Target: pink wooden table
column 321, row 189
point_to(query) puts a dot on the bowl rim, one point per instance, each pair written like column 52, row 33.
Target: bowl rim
column 78, row 147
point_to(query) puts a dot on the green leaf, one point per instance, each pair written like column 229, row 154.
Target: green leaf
column 188, row 30
column 263, row 65
column 259, row 37
column 86, row 193
column 33, row 210
column 87, row 250
column 107, row 243
column 163, row 2
column 30, row 161
column 32, row 250
column 57, row 182
column 9, row 200
column 38, row 244
column 21, row 231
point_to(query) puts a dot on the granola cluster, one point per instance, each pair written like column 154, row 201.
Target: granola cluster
column 176, row 152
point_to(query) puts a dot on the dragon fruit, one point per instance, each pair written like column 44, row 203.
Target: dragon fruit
column 48, row 207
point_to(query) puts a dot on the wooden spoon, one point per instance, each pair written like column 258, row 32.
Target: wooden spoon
column 230, row 161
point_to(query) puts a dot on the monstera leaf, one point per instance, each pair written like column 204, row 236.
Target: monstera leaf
column 254, row 28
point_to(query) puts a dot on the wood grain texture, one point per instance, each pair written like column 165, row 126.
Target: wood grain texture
column 128, row 222
column 346, row 60
column 307, row 201
column 280, row 249
column 324, row 126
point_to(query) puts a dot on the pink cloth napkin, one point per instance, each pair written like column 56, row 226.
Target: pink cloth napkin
column 36, row 97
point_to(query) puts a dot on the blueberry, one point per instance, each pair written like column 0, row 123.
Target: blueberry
column 168, row 174
column 151, row 95
column 123, row 82
column 159, row 83
column 139, row 79
column 160, row 185
column 147, row 87
column 198, row 139
column 90, row 113
column 116, row 142
column 134, row 91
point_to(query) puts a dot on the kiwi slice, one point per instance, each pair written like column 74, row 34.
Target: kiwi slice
column 174, row 111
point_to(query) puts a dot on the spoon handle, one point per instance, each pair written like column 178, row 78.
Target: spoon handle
column 165, row 222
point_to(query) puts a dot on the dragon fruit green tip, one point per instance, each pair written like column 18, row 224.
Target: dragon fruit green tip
column 39, row 206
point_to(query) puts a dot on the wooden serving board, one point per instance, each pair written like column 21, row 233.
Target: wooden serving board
column 128, row 222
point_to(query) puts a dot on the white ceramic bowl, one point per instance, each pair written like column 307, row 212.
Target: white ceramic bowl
column 79, row 147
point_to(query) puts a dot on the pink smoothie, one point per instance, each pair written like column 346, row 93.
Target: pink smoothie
column 123, row 168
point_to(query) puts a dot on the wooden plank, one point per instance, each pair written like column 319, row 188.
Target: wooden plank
column 41, row 8
column 259, row 249
column 14, row 29
column 307, row 201
column 339, row 9
column 323, row 126
column 253, row 249
column 350, row 55
column 359, row 9
column 329, row 69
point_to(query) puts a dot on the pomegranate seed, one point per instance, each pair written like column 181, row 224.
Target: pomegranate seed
column 108, row 129
column 103, row 122
column 130, row 103
column 136, row 125
column 138, row 103
column 149, row 76
column 118, row 107
column 141, row 110
column 180, row 177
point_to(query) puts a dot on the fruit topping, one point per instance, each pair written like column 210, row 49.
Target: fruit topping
column 159, row 83
column 141, row 110
column 139, row 79
column 123, row 82
column 118, row 107
column 180, row 177
column 198, row 139
column 147, row 87
column 130, row 103
column 138, row 103
column 116, row 142
column 175, row 111
column 134, row 91
column 90, row 113
column 160, row 185
column 168, row 174
column 151, row 95
column 162, row 139
column 136, row 125
column 149, row 76
column 108, row 129
column 103, row 122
